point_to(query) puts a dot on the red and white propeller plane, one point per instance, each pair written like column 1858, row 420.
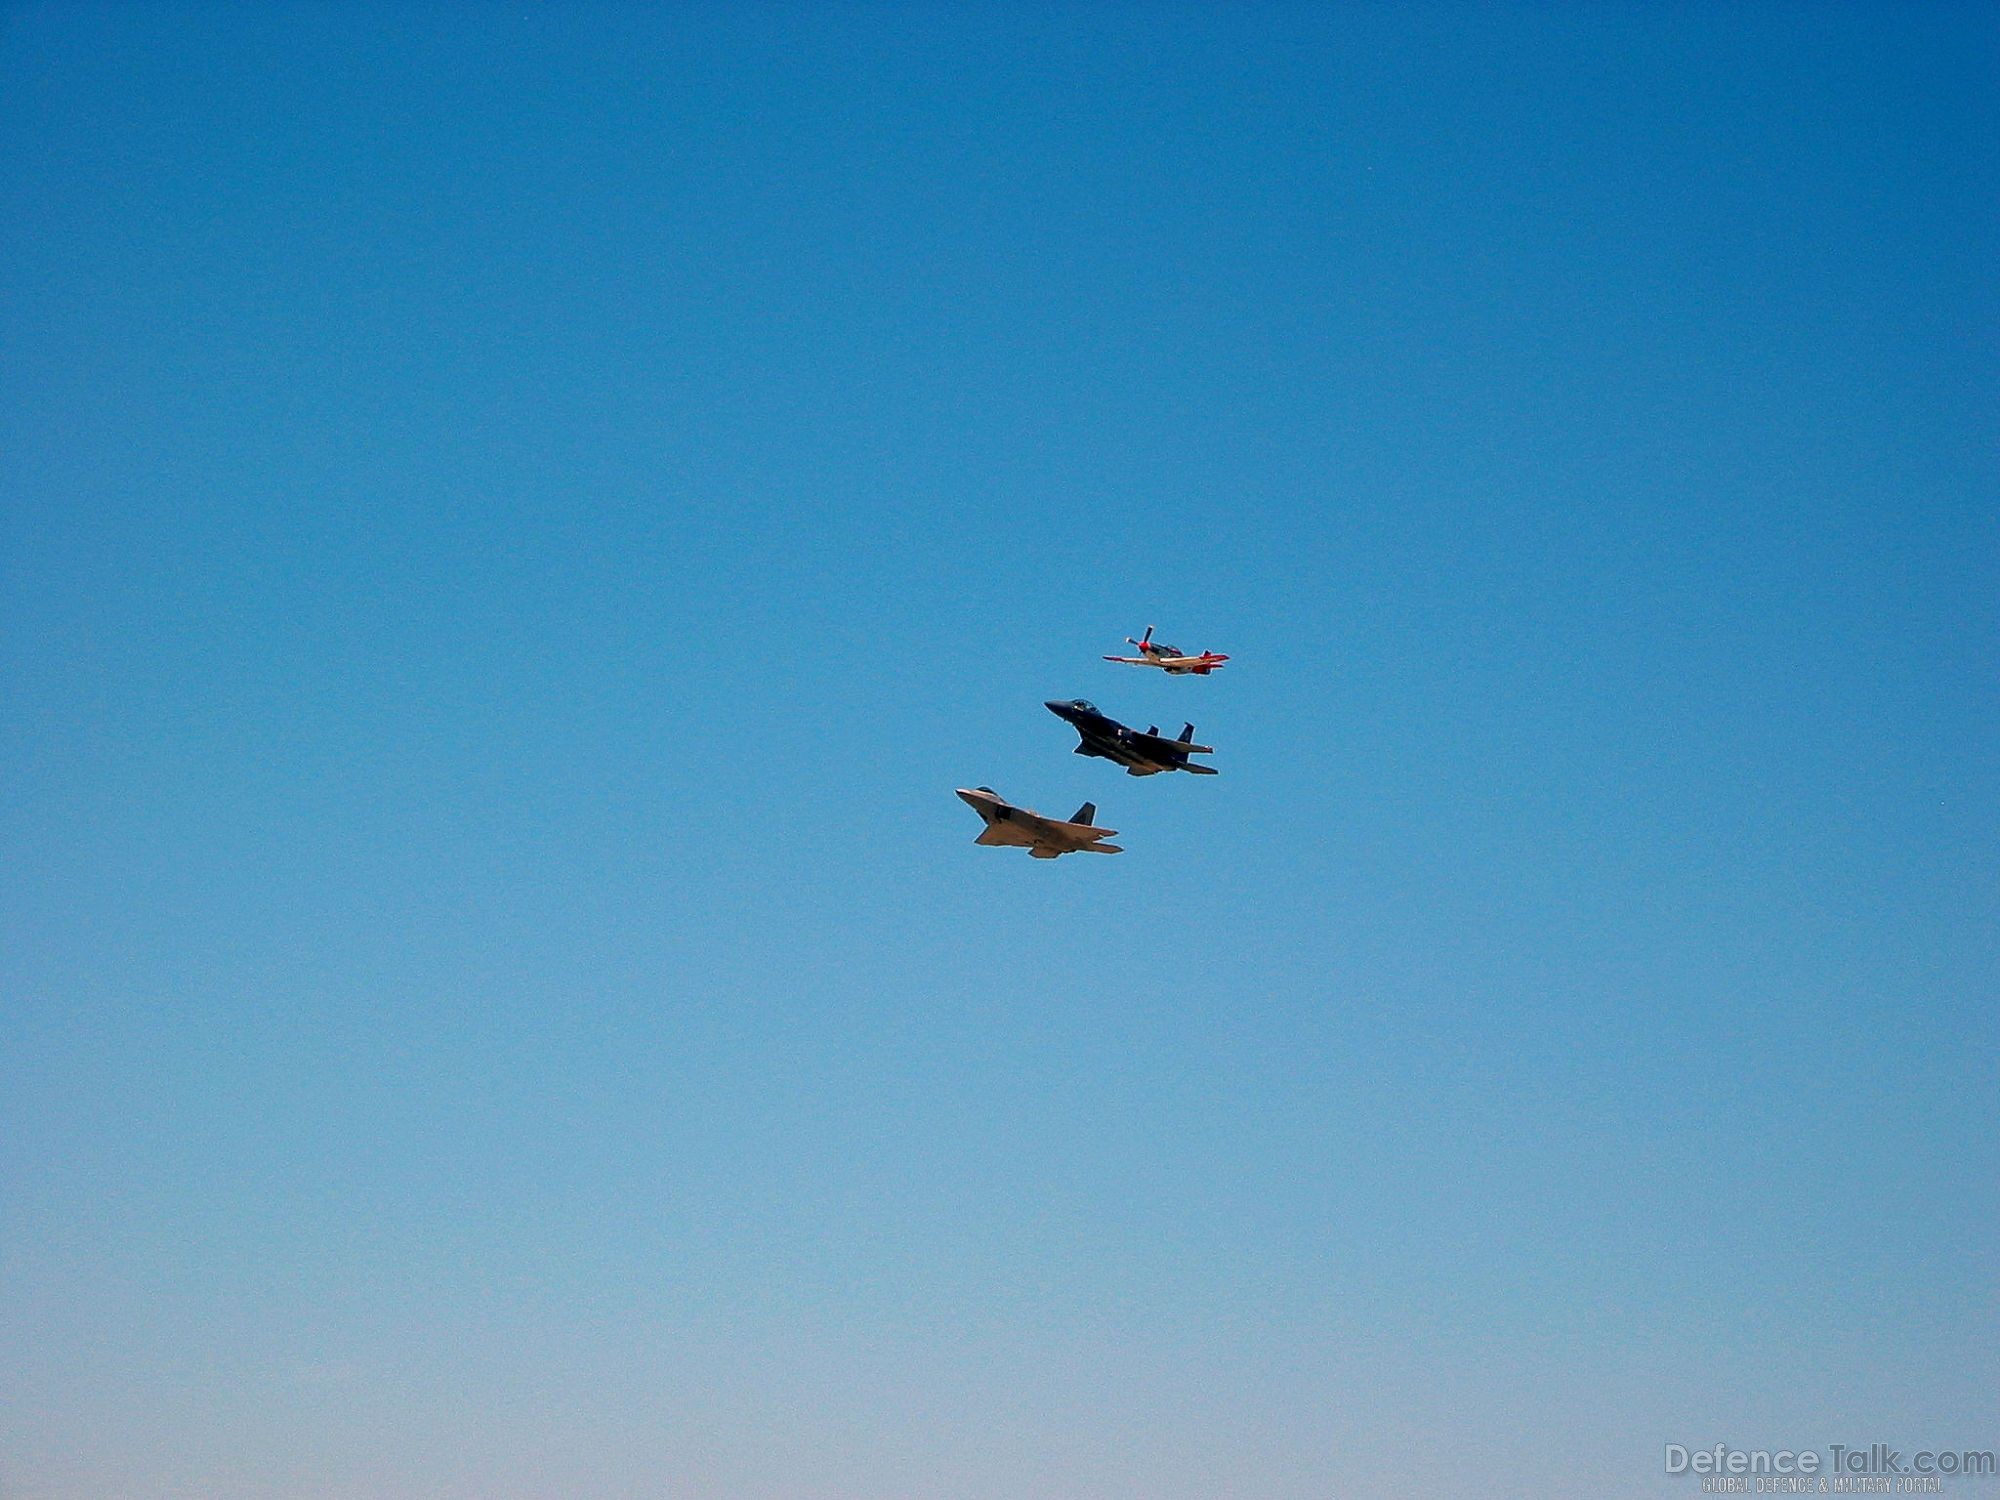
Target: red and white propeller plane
column 1169, row 658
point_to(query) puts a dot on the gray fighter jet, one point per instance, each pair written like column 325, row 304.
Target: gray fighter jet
column 1044, row 838
column 1145, row 754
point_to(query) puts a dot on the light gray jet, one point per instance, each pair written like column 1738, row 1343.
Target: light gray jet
column 1044, row 838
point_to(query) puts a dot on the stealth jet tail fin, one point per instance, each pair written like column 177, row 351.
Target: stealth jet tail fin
column 1086, row 814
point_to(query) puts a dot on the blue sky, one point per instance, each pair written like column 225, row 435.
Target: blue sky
column 517, row 518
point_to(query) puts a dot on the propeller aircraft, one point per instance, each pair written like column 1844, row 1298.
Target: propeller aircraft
column 1169, row 659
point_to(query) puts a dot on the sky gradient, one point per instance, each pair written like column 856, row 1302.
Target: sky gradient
column 516, row 518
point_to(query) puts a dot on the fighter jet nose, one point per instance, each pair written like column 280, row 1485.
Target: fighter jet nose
column 1058, row 706
column 968, row 797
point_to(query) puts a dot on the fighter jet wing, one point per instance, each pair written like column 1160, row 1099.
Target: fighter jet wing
column 1156, row 744
column 1021, row 829
column 1086, row 831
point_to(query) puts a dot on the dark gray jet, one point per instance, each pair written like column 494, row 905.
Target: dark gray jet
column 1145, row 754
column 1044, row 838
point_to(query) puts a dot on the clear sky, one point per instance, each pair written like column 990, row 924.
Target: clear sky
column 516, row 518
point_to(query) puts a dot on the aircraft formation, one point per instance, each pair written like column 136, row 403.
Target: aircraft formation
column 1100, row 735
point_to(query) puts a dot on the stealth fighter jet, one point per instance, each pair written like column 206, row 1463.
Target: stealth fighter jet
column 1145, row 754
column 1044, row 838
